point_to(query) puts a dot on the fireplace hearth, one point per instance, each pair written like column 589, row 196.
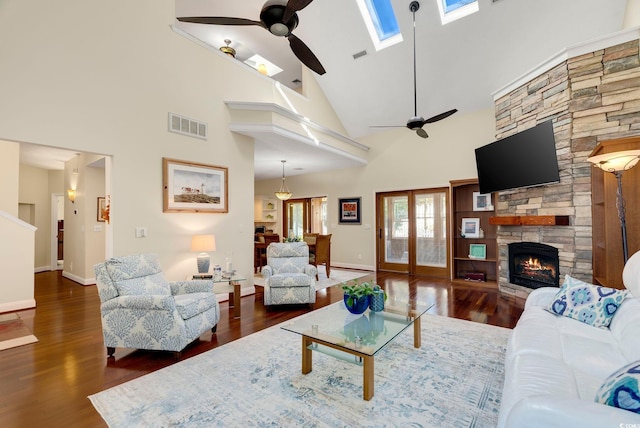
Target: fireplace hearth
column 533, row 265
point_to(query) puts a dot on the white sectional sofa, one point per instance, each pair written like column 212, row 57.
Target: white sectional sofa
column 555, row 365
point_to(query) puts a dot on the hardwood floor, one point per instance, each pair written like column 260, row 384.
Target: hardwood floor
column 47, row 383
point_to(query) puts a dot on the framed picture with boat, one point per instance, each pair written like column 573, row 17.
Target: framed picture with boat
column 194, row 187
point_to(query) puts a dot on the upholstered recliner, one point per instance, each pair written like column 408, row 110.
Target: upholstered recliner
column 140, row 309
column 288, row 276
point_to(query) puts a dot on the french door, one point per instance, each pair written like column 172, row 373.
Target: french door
column 304, row 216
column 412, row 232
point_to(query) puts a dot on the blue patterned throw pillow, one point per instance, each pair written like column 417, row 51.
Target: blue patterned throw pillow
column 588, row 303
column 621, row 389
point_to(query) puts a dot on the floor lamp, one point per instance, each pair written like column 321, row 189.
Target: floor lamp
column 617, row 163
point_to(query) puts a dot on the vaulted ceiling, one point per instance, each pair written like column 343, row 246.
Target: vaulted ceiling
column 459, row 65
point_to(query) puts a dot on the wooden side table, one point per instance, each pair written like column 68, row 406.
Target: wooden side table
column 231, row 286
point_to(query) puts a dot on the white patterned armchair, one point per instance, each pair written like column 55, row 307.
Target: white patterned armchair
column 140, row 309
column 288, row 276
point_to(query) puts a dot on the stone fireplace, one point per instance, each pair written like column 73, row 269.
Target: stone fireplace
column 589, row 97
column 533, row 265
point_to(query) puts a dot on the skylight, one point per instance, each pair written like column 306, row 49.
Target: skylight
column 381, row 22
column 450, row 10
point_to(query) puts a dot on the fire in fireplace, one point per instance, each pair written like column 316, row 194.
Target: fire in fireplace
column 533, row 265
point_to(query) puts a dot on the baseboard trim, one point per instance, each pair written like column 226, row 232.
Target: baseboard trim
column 79, row 280
column 353, row 266
column 17, row 305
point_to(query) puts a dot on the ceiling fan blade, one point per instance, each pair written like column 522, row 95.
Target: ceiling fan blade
column 219, row 20
column 292, row 7
column 305, row 55
column 422, row 133
column 440, row 116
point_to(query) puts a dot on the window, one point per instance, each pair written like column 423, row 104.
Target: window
column 450, row 10
column 381, row 22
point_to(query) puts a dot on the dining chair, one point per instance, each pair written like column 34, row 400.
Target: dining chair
column 268, row 239
column 310, row 238
column 322, row 254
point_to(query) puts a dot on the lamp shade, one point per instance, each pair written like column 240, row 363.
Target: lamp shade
column 616, row 161
column 203, row 243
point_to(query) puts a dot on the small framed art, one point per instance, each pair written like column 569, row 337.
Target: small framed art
column 477, row 251
column 470, row 228
column 349, row 211
column 482, row 202
column 102, row 207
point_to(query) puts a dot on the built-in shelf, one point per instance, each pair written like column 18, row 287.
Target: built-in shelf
column 530, row 220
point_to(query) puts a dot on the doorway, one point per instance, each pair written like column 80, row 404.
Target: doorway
column 412, row 232
column 57, row 231
column 304, row 215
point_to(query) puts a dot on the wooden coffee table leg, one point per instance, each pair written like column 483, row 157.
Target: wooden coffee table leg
column 417, row 333
column 307, row 355
column 368, row 382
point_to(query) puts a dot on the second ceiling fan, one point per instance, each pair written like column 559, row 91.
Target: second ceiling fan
column 417, row 122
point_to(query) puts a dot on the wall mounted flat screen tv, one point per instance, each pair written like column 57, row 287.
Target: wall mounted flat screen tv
column 522, row 160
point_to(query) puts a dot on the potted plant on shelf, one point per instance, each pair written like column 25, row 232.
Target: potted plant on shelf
column 357, row 297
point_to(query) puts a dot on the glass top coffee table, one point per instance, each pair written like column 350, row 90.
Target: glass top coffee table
column 335, row 331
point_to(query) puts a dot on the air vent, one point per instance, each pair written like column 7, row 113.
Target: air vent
column 185, row 126
column 359, row 54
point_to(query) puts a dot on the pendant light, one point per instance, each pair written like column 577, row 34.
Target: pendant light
column 283, row 194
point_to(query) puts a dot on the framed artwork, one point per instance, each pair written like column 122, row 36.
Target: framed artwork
column 194, row 187
column 349, row 210
column 102, row 209
column 470, row 228
column 482, row 202
column 477, row 251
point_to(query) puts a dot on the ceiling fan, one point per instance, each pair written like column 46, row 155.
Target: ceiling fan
column 417, row 122
column 280, row 18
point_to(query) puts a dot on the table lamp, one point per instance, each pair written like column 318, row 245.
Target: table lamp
column 203, row 244
column 617, row 163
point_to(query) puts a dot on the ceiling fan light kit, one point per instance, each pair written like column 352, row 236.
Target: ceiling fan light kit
column 280, row 18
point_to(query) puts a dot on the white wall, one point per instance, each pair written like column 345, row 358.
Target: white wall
column 632, row 14
column 398, row 160
column 9, row 177
column 16, row 262
column 34, row 191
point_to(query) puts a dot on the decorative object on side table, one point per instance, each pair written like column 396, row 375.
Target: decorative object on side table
column 357, row 297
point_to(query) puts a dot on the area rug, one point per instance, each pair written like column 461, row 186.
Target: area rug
column 13, row 332
column 454, row 380
column 336, row 276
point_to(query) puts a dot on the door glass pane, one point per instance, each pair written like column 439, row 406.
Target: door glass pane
column 296, row 219
column 431, row 221
column 396, row 229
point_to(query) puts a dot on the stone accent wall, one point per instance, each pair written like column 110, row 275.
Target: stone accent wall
column 590, row 98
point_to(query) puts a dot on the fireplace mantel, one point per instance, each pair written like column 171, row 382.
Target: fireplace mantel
column 530, row 220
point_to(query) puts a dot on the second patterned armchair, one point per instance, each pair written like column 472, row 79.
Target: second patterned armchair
column 289, row 278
